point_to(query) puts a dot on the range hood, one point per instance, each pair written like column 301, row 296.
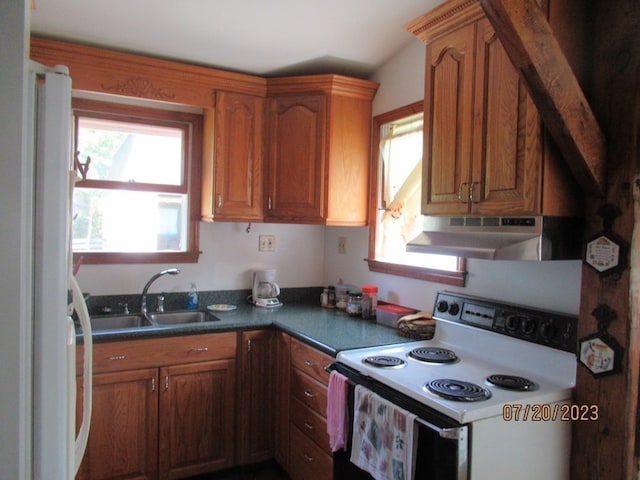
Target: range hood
column 501, row 238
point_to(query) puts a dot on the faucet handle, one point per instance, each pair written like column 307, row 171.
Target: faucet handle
column 125, row 306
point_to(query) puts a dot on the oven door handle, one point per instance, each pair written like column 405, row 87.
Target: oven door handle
column 450, row 433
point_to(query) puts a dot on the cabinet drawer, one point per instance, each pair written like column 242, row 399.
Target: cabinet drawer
column 308, row 461
column 310, row 392
column 310, row 361
column 312, row 424
column 157, row 352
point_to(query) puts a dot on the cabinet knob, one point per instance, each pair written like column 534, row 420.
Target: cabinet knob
column 308, row 394
column 471, row 192
column 460, row 199
column 308, row 457
column 309, row 363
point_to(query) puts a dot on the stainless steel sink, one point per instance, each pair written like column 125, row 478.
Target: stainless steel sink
column 178, row 318
column 118, row 322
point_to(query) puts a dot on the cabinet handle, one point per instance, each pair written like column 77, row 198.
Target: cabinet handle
column 308, row 394
column 269, row 203
column 309, row 426
column 219, row 200
column 200, row 349
column 460, row 191
column 249, row 345
column 471, row 191
column 166, row 382
column 309, row 363
column 153, row 384
column 308, row 457
column 116, row 357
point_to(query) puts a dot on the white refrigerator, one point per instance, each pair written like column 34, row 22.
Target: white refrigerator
column 56, row 450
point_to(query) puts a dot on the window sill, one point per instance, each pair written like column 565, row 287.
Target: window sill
column 440, row 276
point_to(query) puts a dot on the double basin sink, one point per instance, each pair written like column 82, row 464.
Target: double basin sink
column 125, row 322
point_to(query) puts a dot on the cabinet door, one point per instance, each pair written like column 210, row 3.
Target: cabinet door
column 508, row 143
column 297, row 136
column 256, row 402
column 238, row 152
column 197, row 412
column 448, row 122
column 124, row 430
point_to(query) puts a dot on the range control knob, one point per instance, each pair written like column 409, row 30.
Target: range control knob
column 513, row 323
column 454, row 308
column 528, row 326
column 548, row 331
column 442, row 306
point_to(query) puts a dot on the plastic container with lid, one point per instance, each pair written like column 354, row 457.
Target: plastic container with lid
column 369, row 301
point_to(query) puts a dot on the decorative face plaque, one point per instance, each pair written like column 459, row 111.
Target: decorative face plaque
column 606, row 252
column 600, row 354
column 603, row 253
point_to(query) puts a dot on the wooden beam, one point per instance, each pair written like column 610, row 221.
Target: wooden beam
column 528, row 39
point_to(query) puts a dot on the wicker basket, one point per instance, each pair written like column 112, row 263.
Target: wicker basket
column 419, row 326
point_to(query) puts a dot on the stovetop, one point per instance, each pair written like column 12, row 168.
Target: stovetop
column 480, row 351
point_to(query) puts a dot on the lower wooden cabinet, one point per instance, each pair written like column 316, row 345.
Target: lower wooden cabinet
column 302, row 437
column 162, row 408
column 256, row 396
column 196, row 418
column 124, row 427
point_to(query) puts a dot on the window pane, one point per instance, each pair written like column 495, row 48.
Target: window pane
column 131, row 152
column 127, row 221
column 399, row 219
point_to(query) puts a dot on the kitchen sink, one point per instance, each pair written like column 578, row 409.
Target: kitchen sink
column 118, row 322
column 178, row 318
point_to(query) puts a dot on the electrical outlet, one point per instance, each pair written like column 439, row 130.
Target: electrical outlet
column 267, row 243
column 342, row 244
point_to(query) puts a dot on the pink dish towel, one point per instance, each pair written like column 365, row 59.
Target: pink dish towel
column 337, row 420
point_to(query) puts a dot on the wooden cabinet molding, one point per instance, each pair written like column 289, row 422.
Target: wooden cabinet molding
column 100, row 70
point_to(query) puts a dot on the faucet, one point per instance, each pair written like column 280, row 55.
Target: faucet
column 143, row 306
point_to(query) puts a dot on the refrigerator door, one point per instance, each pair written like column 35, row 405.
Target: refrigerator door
column 54, row 381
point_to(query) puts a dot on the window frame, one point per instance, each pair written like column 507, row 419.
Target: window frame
column 191, row 124
column 454, row 278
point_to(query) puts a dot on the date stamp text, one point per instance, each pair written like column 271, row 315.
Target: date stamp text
column 545, row 412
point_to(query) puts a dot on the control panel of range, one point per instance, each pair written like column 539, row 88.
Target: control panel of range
column 552, row 329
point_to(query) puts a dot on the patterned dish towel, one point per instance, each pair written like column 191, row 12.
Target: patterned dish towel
column 384, row 437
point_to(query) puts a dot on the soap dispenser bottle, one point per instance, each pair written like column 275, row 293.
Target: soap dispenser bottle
column 192, row 298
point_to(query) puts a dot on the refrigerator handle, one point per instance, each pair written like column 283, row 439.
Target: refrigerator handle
column 83, row 315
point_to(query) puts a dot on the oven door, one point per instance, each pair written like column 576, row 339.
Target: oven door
column 442, row 449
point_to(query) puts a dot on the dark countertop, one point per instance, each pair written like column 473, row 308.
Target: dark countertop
column 329, row 330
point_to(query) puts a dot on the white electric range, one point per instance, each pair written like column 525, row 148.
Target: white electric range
column 502, row 373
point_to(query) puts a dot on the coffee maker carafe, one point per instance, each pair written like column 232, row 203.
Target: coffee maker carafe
column 265, row 289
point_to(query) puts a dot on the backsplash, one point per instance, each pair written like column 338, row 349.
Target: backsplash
column 104, row 304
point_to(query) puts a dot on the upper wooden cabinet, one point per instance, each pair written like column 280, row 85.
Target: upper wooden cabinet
column 232, row 164
column 485, row 149
column 318, row 147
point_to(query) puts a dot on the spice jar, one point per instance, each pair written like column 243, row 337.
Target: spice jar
column 369, row 301
column 354, row 304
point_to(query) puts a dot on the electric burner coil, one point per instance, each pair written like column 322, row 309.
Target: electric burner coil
column 512, row 382
column 457, row 390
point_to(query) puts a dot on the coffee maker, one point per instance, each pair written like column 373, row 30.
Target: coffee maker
column 265, row 289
